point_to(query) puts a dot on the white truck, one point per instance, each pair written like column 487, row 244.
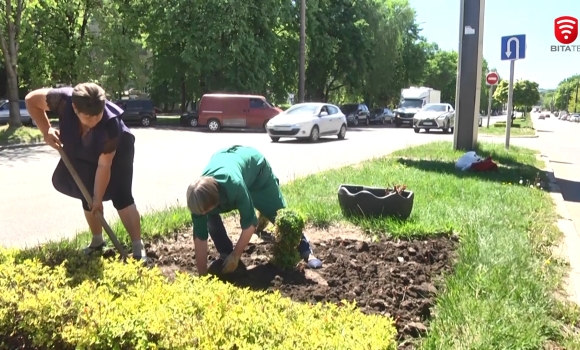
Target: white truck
column 412, row 100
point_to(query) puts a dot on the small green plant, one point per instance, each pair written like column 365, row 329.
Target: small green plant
column 289, row 227
column 399, row 189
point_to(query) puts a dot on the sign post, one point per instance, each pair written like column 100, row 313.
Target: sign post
column 518, row 44
column 492, row 79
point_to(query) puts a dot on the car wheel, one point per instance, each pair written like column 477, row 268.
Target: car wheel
column 416, row 130
column 314, row 134
column 146, row 121
column 274, row 139
column 214, row 125
column 342, row 133
column 193, row 122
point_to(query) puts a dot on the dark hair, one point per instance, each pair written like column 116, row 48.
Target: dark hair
column 89, row 99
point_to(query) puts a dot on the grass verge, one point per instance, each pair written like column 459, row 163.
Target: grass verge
column 21, row 135
column 500, row 295
column 520, row 127
column 506, row 229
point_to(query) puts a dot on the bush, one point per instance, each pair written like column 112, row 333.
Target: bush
column 284, row 106
column 289, row 229
column 132, row 307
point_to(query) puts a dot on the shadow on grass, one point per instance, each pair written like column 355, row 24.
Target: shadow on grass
column 511, row 172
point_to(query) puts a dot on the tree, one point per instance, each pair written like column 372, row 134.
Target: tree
column 10, row 29
column 501, row 92
column 441, row 73
column 526, row 94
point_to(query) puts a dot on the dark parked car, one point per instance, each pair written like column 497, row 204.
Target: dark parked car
column 382, row 116
column 189, row 118
column 356, row 113
column 138, row 111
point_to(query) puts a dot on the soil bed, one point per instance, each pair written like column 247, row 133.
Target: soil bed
column 396, row 279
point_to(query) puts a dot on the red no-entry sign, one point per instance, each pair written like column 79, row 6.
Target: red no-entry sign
column 492, row 78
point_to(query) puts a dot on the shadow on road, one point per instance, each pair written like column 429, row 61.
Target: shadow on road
column 8, row 156
column 570, row 189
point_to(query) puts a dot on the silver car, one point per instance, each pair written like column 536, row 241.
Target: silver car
column 24, row 116
column 435, row 116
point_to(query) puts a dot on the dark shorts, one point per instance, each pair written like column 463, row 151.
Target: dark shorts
column 119, row 190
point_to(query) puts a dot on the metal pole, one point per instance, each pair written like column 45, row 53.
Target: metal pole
column 302, row 73
column 510, row 110
column 469, row 77
column 576, row 99
column 489, row 104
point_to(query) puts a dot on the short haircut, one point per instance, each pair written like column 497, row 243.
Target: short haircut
column 203, row 195
column 89, row 99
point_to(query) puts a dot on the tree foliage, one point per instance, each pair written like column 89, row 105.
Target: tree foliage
column 526, row 93
column 357, row 50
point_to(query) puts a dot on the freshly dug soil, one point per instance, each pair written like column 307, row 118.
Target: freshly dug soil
column 396, row 279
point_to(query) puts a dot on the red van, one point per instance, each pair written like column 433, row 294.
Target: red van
column 217, row 111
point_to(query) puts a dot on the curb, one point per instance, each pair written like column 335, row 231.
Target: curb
column 534, row 136
column 571, row 239
column 22, row 145
column 511, row 137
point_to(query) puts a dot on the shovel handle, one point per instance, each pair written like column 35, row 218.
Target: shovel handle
column 89, row 200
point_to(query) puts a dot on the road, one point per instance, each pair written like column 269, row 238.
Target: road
column 166, row 161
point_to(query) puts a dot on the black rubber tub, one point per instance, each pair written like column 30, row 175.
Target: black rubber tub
column 362, row 201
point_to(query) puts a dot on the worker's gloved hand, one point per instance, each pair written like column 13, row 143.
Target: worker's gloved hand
column 231, row 263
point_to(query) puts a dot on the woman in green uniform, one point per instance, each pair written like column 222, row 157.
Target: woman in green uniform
column 239, row 178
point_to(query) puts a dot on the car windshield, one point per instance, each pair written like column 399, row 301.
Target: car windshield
column 302, row 109
column 346, row 109
column 411, row 104
column 435, row 108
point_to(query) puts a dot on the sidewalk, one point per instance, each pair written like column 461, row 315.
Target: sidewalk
column 559, row 143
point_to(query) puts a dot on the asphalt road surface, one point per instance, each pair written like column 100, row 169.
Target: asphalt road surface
column 166, row 162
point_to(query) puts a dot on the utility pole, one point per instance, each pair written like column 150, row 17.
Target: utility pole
column 302, row 72
column 576, row 98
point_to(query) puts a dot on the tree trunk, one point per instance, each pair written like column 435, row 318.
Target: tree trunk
column 183, row 95
column 15, row 120
column 9, row 39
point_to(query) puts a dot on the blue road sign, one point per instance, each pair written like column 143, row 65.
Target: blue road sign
column 513, row 47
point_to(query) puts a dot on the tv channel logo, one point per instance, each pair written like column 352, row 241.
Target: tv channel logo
column 566, row 32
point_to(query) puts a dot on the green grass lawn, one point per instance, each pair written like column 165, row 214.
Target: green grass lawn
column 169, row 120
column 521, row 127
column 500, row 294
column 23, row 134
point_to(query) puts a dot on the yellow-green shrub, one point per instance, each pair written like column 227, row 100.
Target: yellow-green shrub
column 131, row 307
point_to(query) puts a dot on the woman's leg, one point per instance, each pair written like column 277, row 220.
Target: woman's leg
column 64, row 183
column 121, row 186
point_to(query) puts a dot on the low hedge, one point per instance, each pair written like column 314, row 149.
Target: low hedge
column 127, row 306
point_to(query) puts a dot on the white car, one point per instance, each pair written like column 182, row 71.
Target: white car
column 435, row 116
column 310, row 120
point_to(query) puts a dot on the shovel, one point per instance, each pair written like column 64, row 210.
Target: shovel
column 89, row 199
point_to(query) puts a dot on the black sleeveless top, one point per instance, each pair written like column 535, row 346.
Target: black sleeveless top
column 105, row 137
